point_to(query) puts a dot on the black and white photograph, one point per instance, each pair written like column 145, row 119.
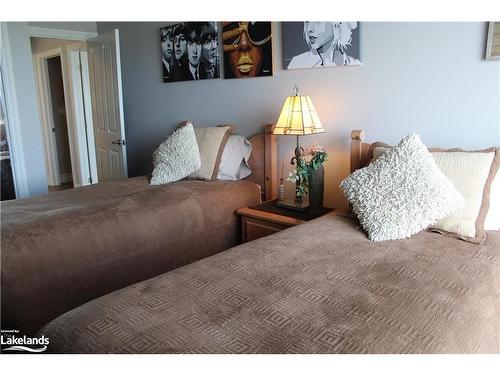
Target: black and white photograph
column 320, row 44
column 190, row 51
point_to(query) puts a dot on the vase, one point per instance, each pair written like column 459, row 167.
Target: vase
column 316, row 189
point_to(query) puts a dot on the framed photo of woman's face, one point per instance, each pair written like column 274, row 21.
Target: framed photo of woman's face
column 321, row 44
column 248, row 49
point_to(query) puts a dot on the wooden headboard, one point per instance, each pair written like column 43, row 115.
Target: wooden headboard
column 264, row 163
column 359, row 150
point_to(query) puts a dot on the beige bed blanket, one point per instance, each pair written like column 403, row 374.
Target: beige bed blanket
column 320, row 287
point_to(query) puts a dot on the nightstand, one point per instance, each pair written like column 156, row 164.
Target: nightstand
column 267, row 218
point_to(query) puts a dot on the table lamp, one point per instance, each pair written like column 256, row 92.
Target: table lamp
column 298, row 117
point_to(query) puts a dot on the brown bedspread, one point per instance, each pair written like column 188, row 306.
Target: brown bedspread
column 320, row 287
column 66, row 248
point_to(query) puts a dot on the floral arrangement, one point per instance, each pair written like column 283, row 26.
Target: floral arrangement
column 312, row 158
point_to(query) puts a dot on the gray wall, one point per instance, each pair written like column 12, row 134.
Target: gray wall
column 429, row 78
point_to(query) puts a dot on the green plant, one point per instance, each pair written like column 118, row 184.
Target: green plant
column 303, row 168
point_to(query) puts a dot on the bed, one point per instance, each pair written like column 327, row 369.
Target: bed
column 319, row 287
column 66, row 248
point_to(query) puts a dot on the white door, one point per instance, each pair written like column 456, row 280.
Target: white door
column 107, row 106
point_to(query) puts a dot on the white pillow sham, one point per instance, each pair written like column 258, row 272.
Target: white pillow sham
column 234, row 162
column 468, row 171
column 401, row 193
column 176, row 157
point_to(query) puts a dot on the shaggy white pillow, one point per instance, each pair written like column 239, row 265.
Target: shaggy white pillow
column 401, row 193
column 177, row 157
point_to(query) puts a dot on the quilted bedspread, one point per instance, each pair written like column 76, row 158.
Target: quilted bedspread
column 320, row 287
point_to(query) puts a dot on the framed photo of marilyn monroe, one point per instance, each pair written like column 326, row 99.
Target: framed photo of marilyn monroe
column 321, row 44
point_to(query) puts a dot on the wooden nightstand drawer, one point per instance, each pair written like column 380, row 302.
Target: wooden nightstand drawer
column 254, row 228
column 257, row 223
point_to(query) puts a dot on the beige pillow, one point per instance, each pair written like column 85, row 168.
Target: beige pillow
column 469, row 172
column 474, row 174
column 211, row 143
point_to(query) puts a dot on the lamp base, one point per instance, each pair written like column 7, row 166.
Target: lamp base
column 291, row 204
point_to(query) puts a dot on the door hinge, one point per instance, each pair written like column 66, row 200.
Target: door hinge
column 80, row 67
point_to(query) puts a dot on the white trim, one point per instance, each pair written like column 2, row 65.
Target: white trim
column 46, row 115
column 120, row 100
column 13, row 123
column 44, row 32
column 81, row 112
column 72, row 130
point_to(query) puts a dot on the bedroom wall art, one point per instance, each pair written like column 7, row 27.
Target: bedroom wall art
column 247, row 49
column 190, row 51
column 320, row 44
column 493, row 41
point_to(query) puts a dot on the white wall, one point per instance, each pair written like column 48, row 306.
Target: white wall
column 429, row 78
column 75, row 26
column 24, row 121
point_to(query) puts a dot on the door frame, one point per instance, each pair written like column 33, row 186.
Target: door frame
column 46, row 114
column 83, row 163
column 82, row 111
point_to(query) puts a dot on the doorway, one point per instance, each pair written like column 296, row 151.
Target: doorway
column 60, row 125
column 64, row 104
column 93, row 109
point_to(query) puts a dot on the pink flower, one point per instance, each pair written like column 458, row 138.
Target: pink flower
column 312, row 149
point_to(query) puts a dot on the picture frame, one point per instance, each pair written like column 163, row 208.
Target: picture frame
column 320, row 45
column 493, row 41
column 247, row 49
column 190, row 51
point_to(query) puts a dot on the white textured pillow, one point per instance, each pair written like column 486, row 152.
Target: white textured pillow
column 177, row 157
column 211, row 142
column 475, row 175
column 401, row 193
column 234, row 163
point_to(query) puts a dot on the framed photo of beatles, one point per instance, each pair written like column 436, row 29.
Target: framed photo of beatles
column 321, row 44
column 248, row 49
column 190, row 51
